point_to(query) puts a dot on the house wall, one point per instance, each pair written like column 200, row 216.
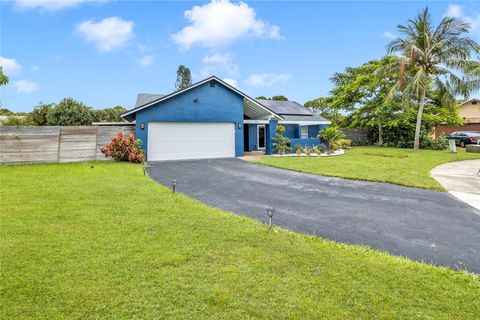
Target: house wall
column 252, row 137
column 470, row 112
column 200, row 104
column 292, row 131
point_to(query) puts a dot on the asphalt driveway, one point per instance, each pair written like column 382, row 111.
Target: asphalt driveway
column 420, row 224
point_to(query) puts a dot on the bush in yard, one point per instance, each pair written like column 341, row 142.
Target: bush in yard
column 330, row 135
column 281, row 143
column 434, row 144
column 124, row 148
column 322, row 148
column 342, row 144
column 298, row 149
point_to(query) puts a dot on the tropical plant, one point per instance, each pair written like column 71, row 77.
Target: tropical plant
column 330, row 135
column 432, row 58
column 281, row 143
column 298, row 149
column 184, row 78
column 124, row 148
column 342, row 144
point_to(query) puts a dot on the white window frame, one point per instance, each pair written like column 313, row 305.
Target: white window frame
column 303, row 135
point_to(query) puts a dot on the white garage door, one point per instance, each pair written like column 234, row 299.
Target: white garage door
column 190, row 140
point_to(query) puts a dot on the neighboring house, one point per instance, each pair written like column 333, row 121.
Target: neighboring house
column 470, row 113
column 211, row 119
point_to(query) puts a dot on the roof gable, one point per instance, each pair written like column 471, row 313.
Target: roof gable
column 130, row 115
column 144, row 98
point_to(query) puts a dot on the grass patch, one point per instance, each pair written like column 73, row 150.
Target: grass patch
column 107, row 242
column 393, row 165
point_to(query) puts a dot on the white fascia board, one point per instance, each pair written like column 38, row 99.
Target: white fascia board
column 248, row 121
column 304, row 123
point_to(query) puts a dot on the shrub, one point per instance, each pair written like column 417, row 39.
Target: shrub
column 17, row 121
column 281, row 143
column 306, row 150
column 123, row 148
column 298, row 149
column 322, row 148
column 342, row 144
column 315, row 150
column 431, row 144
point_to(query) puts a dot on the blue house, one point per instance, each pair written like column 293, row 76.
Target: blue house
column 211, row 119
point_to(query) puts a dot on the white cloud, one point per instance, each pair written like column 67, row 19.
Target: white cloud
column 454, row 10
column 24, row 86
column 219, row 23
column 473, row 18
column 267, row 79
column 232, row 82
column 107, row 34
column 218, row 63
column 50, row 5
column 146, row 60
column 389, row 35
column 9, row 66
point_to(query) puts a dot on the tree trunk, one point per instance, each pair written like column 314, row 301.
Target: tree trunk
column 421, row 104
column 380, row 133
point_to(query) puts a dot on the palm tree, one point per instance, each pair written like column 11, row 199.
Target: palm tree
column 435, row 58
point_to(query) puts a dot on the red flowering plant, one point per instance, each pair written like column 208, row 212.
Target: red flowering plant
column 124, row 148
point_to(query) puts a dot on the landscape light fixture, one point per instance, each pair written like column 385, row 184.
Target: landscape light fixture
column 174, row 184
column 270, row 214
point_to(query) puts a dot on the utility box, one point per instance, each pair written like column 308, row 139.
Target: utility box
column 452, row 145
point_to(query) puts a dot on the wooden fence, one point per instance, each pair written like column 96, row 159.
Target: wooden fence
column 56, row 144
column 356, row 134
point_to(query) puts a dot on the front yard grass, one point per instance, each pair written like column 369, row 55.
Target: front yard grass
column 393, row 165
column 100, row 240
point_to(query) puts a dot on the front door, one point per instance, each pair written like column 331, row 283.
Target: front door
column 261, row 137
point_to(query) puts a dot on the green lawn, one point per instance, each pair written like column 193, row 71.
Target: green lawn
column 100, row 240
column 392, row 165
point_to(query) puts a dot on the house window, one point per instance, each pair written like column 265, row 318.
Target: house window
column 474, row 102
column 303, row 132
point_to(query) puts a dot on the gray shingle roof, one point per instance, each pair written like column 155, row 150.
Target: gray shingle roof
column 313, row 117
column 144, row 98
column 285, row 107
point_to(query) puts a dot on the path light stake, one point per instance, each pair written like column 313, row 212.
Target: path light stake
column 174, row 184
column 270, row 214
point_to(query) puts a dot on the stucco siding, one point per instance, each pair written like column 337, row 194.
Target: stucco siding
column 200, row 104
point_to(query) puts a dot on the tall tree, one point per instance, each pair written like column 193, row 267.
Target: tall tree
column 40, row 113
column 184, row 78
column 3, row 77
column 70, row 113
column 279, row 98
column 323, row 106
column 360, row 93
column 437, row 58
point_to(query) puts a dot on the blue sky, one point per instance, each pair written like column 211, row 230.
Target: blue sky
column 105, row 52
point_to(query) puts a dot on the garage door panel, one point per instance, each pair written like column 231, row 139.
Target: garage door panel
column 172, row 141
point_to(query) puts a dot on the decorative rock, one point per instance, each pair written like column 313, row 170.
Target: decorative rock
column 474, row 148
